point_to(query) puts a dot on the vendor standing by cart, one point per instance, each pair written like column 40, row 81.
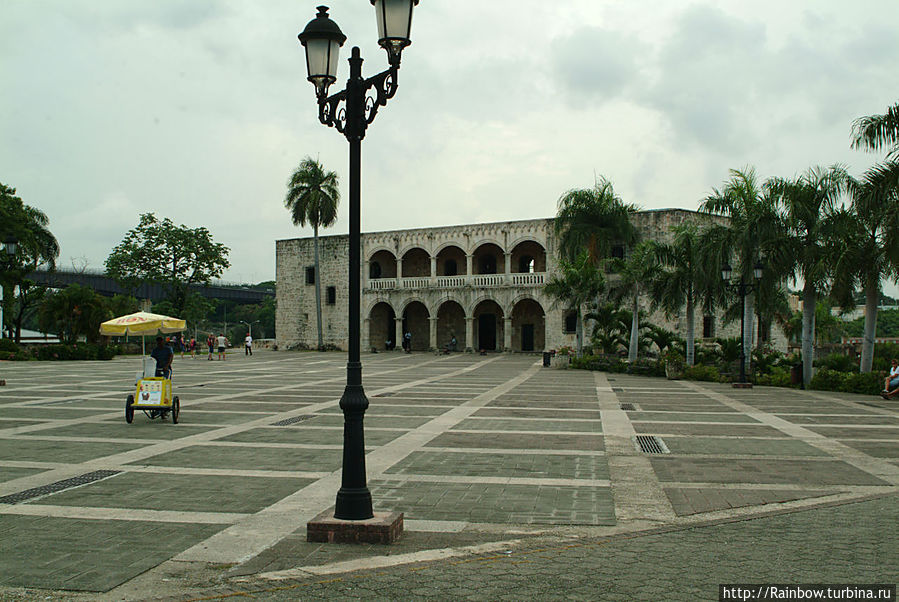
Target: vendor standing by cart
column 163, row 354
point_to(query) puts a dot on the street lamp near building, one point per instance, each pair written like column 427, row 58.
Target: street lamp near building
column 350, row 112
column 10, row 247
column 743, row 288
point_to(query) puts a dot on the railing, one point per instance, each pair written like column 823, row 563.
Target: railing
column 527, row 279
column 477, row 280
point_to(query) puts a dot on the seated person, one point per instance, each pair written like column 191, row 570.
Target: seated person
column 163, row 354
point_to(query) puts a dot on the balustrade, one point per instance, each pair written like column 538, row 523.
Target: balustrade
column 478, row 280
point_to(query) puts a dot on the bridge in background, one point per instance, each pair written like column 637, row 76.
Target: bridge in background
column 155, row 292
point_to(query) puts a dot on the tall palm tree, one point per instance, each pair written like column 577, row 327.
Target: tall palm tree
column 751, row 232
column 683, row 280
column 579, row 283
column 808, row 204
column 867, row 245
column 593, row 219
column 634, row 275
column 313, row 196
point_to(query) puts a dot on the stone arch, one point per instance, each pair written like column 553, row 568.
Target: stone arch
column 528, row 249
column 528, row 324
column 416, row 320
column 450, row 323
column 485, row 241
column 414, row 299
column 488, row 324
column 416, row 263
column 381, row 264
column 382, row 326
column 451, row 261
column 488, row 258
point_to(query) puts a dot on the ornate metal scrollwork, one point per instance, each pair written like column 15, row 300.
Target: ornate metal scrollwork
column 385, row 84
column 351, row 116
column 332, row 111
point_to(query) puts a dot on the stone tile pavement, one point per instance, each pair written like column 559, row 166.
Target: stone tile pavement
column 513, row 479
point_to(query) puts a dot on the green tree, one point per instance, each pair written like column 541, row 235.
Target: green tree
column 809, row 203
column 683, row 280
column 73, row 312
column 634, row 275
column 866, row 245
column 313, row 197
column 577, row 285
column 878, row 132
column 175, row 257
column 593, row 219
column 610, row 327
column 37, row 249
column 753, row 230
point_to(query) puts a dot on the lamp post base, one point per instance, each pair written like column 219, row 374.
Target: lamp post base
column 383, row 527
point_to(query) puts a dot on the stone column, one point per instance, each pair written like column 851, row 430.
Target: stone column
column 468, row 260
column 398, row 337
column 469, row 333
column 366, row 335
column 433, row 270
column 433, row 332
column 507, row 333
column 399, row 272
column 507, row 278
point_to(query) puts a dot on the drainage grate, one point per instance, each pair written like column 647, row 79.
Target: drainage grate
column 650, row 444
column 294, row 420
column 58, row 486
column 617, row 390
column 628, row 407
column 387, row 394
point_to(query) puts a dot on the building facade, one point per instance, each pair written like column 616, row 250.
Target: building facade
column 480, row 285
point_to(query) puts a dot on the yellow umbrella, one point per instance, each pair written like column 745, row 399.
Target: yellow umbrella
column 142, row 323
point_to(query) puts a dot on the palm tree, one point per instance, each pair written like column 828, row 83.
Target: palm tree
column 867, row 245
column 635, row 274
column 751, row 232
column 808, row 204
column 683, row 281
column 878, row 131
column 579, row 283
column 313, row 196
column 593, row 219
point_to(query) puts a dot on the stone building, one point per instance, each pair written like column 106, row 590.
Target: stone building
column 481, row 284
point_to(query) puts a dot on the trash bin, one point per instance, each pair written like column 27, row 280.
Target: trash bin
column 546, row 356
column 796, row 374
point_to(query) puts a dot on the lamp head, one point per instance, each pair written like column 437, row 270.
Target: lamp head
column 11, row 245
column 726, row 272
column 394, row 26
column 322, row 40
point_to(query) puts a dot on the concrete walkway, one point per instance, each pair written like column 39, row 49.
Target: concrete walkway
column 514, row 479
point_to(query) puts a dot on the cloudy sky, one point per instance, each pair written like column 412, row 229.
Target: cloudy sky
column 198, row 110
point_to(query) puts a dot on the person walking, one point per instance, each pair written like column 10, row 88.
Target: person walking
column 407, row 342
column 222, row 342
column 210, row 343
column 248, row 345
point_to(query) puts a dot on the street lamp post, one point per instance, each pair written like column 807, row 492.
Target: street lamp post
column 10, row 246
column 742, row 288
column 250, row 326
column 350, row 112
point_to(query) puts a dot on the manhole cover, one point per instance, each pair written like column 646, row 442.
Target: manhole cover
column 294, row 420
column 651, row 444
column 58, row 486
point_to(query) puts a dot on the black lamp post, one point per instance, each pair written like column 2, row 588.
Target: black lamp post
column 10, row 246
column 350, row 111
column 743, row 288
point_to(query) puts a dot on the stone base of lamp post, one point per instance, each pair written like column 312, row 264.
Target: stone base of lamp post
column 384, row 527
column 742, row 385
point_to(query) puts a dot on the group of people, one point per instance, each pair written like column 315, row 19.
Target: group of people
column 389, row 345
column 164, row 352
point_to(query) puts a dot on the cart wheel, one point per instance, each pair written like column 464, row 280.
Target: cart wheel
column 176, row 409
column 129, row 409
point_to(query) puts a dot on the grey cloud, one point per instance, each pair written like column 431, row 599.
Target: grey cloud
column 596, row 63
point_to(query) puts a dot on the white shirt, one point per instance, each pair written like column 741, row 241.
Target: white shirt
column 248, row 341
column 220, row 341
column 894, row 371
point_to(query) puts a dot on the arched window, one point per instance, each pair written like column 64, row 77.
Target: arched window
column 374, row 270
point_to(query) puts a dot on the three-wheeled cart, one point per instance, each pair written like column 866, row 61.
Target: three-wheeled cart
column 153, row 395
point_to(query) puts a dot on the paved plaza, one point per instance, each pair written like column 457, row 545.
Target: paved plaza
column 516, row 481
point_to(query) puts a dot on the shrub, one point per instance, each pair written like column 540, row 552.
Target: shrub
column 613, row 364
column 777, row 377
column 703, row 372
column 764, row 359
column 867, row 383
column 8, row 345
column 838, row 362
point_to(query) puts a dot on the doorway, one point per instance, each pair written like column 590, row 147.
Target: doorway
column 487, row 332
column 527, row 337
